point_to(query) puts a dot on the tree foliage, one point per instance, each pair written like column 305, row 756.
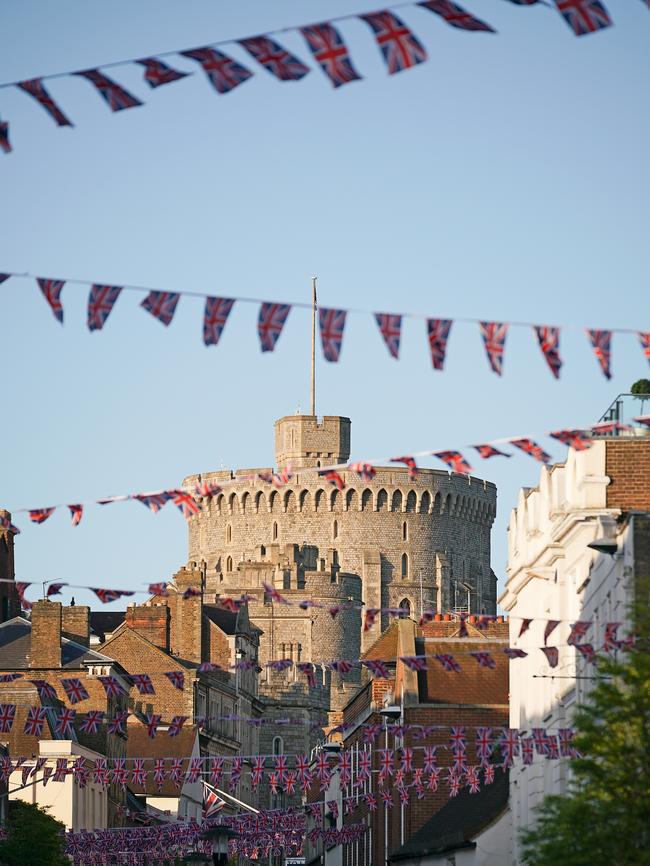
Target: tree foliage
column 641, row 388
column 604, row 819
column 33, row 838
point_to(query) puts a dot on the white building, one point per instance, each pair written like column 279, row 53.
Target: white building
column 601, row 496
column 77, row 808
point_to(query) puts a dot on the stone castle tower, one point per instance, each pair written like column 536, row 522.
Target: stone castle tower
column 390, row 542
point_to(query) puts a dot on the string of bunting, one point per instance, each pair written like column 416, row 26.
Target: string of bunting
column 190, row 502
column 399, row 46
column 162, row 305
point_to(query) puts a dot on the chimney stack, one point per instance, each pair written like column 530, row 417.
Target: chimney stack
column 151, row 621
column 76, row 624
column 46, row 634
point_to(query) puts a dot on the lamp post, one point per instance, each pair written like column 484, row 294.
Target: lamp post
column 218, row 836
column 392, row 712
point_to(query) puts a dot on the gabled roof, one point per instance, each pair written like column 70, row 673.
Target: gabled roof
column 176, row 660
column 16, row 645
column 385, row 647
column 224, row 619
column 459, row 821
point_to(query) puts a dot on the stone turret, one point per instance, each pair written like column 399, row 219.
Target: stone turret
column 303, row 441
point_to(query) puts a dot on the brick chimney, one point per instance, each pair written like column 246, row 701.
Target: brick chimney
column 186, row 615
column 76, row 623
column 9, row 603
column 151, row 621
column 46, row 635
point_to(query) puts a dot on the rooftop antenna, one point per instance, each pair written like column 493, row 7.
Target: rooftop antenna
column 313, row 346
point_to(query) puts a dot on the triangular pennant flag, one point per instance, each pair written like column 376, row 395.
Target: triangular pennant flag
column 390, row 327
column 494, row 339
column 215, row 317
column 275, row 59
column 223, row 72
column 525, row 625
column 100, row 303
column 5, row 144
column 438, row 334
column 551, row 625
column 584, row 16
column 76, row 513
column 4, row 277
column 212, row 802
column 158, row 73
column 161, row 305
column 487, row 450
column 36, row 89
column 40, row 515
column 399, row 46
column 332, row 323
column 601, row 342
column 549, row 342
column 115, row 96
column 270, row 323
column 455, row 16
column 644, row 339
column 552, row 655
column 455, row 461
column 331, row 53
column 531, row 448
column 52, row 292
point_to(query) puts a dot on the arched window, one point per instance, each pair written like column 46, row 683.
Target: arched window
column 366, row 500
column 425, row 502
column 319, row 500
column 397, row 501
column 335, row 529
column 405, row 605
column 405, row 531
column 382, row 500
column 229, row 563
column 411, row 500
column 275, row 530
column 228, row 534
column 278, row 746
column 405, row 566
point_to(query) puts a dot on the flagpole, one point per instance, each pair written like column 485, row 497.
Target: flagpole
column 313, row 347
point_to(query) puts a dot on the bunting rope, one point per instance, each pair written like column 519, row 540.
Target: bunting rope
column 189, row 502
column 399, row 46
column 162, row 305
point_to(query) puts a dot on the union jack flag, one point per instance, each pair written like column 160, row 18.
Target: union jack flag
column 176, row 725
column 116, row 724
column 100, row 303
column 333, row 477
column 7, row 715
column 274, row 594
column 332, row 323
column 369, row 619
column 207, row 489
column 553, row 747
column 494, row 339
column 64, row 722
column 438, row 334
column 483, row 744
column 159, row 772
column 343, row 666
column 576, row 439
column 601, row 342
column 448, row 662
column 138, row 773
column 565, row 738
column 153, row 501
column 76, row 513
column 484, row 659
column 161, row 305
column 5, row 144
column 453, row 780
column 406, row 757
column 185, row 502
column 509, row 744
column 527, row 744
column 275, row 59
column 377, row 667
column 74, row 689
column 540, row 740
column 514, row 653
column 61, row 770
column 472, row 779
column 371, row 802
column 644, row 339
column 410, row 463
column 55, row 589
column 116, row 97
column 270, row 323
column 235, row 772
column 9, row 678
column 108, row 595
column 52, row 293
column 143, row 683
column 40, row 515
column 414, row 663
column 584, row 16
column 212, row 802
column 455, row 461
column 386, row 762
column 578, row 630
column 399, row 46
column 176, row 772
column 390, row 327
column 157, row 72
column 44, row 689
column 112, row 686
column 223, row 72
column 458, row 740
column 552, row 655
column 331, row 53
column 119, row 772
column 94, row 718
column 36, row 88
column 323, row 772
column 550, row 627
column 176, row 678
column 387, row 798
column 455, row 16
column 611, row 640
column 549, row 342
column 257, row 770
column 366, row 471
column 531, row 448
column 587, row 651
column 371, row 732
column 429, row 765
column 100, row 772
column 215, row 318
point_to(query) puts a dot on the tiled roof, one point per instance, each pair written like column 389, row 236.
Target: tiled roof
column 472, row 684
column 385, row 647
column 459, row 821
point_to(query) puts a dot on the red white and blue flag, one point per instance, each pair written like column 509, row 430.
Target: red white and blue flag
column 549, row 342
column 484, row 659
column 64, row 721
column 455, row 461
column 176, row 725
column 223, row 72
column 212, row 802
column 5, row 144
column 399, row 46
column 270, row 323
column 494, row 339
column 531, row 448
column 45, row 690
column 601, row 342
column 157, row 72
column 409, row 462
column 577, row 439
column 644, row 337
column 117, row 98
column 331, row 53
column 390, row 327
column 108, row 595
column 552, row 655
column 36, row 89
column 74, row 689
column 112, row 686
column 7, row 715
column 100, row 303
column 215, row 317
column 94, row 718
column 274, row 58
column 153, row 501
column 161, row 305
column 448, row 662
column 143, row 683
column 35, row 721
column 455, row 15
column 52, row 292
column 332, row 323
column 584, row 16
column 176, row 678
column 438, row 334
column 40, row 515
column 488, row 450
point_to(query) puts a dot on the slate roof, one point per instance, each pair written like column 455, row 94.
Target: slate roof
column 459, row 821
column 224, row 619
column 103, row 622
column 16, row 644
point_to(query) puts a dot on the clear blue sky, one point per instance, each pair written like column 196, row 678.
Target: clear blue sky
column 507, row 178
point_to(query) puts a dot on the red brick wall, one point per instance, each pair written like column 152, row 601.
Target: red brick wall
column 627, row 463
column 45, row 649
column 151, row 621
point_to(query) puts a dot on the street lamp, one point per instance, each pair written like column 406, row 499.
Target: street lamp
column 218, row 836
